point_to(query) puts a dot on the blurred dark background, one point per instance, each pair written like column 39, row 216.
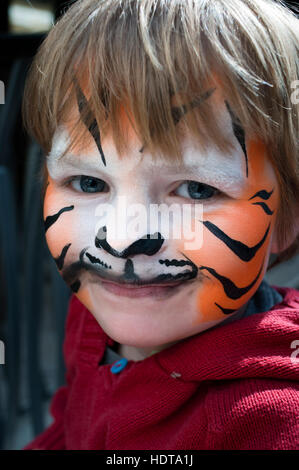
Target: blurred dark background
column 33, row 298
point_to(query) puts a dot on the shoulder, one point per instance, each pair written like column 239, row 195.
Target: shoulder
column 254, row 413
column 290, row 299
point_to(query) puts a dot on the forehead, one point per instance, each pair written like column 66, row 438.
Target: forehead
column 194, row 152
column 209, row 163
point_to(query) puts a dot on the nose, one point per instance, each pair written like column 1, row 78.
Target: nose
column 148, row 245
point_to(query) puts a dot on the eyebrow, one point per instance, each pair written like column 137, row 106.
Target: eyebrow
column 220, row 177
column 79, row 162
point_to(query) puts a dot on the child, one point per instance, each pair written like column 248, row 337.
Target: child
column 191, row 104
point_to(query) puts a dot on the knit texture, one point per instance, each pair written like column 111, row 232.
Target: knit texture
column 232, row 387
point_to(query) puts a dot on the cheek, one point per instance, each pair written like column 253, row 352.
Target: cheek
column 241, row 223
column 58, row 233
column 85, row 298
column 68, row 224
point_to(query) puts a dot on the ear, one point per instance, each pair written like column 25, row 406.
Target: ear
column 292, row 235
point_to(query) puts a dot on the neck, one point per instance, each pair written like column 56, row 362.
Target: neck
column 133, row 353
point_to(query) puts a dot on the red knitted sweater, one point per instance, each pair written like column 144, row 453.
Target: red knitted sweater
column 232, row 387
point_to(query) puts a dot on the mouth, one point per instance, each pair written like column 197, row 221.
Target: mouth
column 129, row 284
column 137, row 291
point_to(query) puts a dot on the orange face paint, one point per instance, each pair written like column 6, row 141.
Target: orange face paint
column 246, row 221
column 206, row 284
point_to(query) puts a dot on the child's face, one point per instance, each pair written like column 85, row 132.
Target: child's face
column 184, row 289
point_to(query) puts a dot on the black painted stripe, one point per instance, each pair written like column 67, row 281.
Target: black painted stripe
column 60, row 259
column 51, row 219
column 264, row 206
column 226, row 311
column 263, row 194
column 175, row 262
column 95, row 260
column 186, row 275
column 231, row 290
column 244, row 252
column 129, row 274
column 178, row 112
column 239, row 133
column 89, row 120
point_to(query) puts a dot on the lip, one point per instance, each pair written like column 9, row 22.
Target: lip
column 133, row 291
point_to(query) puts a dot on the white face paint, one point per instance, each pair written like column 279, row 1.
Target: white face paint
column 150, row 293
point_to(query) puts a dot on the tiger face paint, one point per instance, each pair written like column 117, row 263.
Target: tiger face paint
column 149, row 292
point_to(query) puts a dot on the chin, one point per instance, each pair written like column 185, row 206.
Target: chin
column 145, row 330
column 146, row 322
column 141, row 335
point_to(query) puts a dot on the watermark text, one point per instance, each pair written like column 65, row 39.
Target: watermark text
column 2, row 92
column 2, row 353
column 295, row 93
column 135, row 221
column 295, row 354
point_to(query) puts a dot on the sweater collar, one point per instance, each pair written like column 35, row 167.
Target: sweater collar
column 255, row 346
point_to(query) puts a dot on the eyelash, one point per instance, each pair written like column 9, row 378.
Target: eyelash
column 69, row 181
column 209, row 191
column 203, row 187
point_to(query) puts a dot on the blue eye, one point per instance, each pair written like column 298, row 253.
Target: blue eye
column 195, row 190
column 89, row 184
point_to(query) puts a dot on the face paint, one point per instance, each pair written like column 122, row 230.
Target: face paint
column 51, row 219
column 243, row 234
column 151, row 291
column 239, row 133
column 90, row 121
column 179, row 111
column 60, row 259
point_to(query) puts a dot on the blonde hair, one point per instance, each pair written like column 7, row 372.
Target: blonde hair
column 138, row 54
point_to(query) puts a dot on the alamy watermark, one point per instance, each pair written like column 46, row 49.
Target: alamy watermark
column 295, row 93
column 2, row 353
column 135, row 221
column 295, row 354
column 2, row 92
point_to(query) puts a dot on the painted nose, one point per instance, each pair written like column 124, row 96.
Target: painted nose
column 148, row 245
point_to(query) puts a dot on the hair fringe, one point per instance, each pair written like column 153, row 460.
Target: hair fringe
column 134, row 56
